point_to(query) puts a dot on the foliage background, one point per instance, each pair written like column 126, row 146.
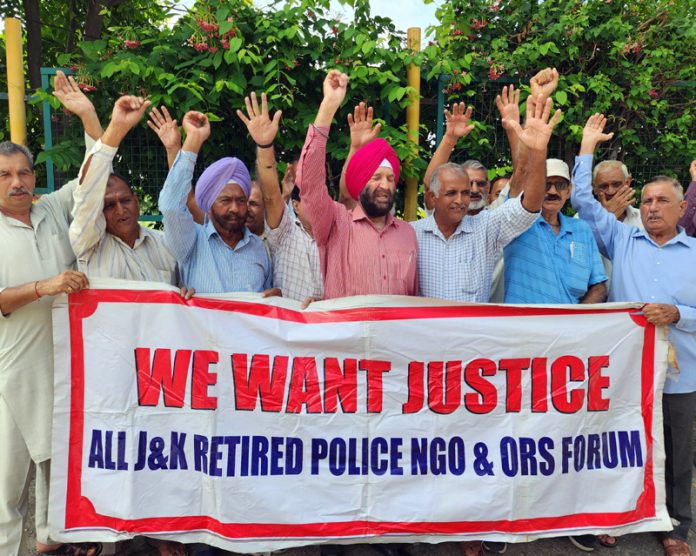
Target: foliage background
column 633, row 60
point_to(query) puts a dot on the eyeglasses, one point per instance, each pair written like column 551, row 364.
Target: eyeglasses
column 560, row 185
column 479, row 183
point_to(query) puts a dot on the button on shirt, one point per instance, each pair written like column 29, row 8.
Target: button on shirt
column 296, row 269
column 542, row 267
column 206, row 262
column 356, row 258
column 100, row 254
column 26, row 335
column 461, row 268
column 645, row 271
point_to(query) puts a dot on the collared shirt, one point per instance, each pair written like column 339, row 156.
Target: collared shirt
column 100, row 254
column 296, row 269
column 206, row 262
column 542, row 267
column 26, row 335
column 460, row 268
column 356, row 258
column 645, row 271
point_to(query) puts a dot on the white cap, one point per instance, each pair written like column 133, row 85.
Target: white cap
column 385, row 164
column 555, row 167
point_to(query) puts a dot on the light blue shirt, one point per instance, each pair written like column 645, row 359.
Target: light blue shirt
column 645, row 271
column 542, row 267
column 206, row 262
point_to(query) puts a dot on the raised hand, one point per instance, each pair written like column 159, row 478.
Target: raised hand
column 360, row 124
column 261, row 127
column 537, row 127
column 65, row 89
column 692, row 170
column 593, row 133
column 544, row 83
column 197, row 128
column 165, row 127
column 335, row 88
column 128, row 110
column 458, row 125
column 509, row 104
column 621, row 200
column 288, row 182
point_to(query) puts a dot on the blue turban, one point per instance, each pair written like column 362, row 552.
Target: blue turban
column 216, row 176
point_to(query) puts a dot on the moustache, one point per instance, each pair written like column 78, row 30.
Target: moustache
column 20, row 191
column 552, row 197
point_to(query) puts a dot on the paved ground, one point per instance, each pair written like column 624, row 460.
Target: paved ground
column 630, row 545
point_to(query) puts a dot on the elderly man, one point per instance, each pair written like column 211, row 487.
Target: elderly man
column 364, row 250
column 457, row 253
column 105, row 234
column 651, row 266
column 556, row 260
column 35, row 267
column 296, row 269
column 221, row 255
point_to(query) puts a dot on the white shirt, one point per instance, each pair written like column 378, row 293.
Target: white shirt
column 101, row 254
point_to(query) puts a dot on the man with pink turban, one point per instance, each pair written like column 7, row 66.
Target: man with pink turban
column 364, row 250
column 221, row 255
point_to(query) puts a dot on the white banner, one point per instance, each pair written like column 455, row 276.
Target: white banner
column 252, row 425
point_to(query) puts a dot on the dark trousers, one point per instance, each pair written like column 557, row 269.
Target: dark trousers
column 678, row 415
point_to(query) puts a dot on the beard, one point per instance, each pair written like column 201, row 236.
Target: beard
column 229, row 223
column 375, row 208
column 478, row 205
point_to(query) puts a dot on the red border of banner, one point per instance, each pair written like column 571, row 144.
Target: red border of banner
column 80, row 513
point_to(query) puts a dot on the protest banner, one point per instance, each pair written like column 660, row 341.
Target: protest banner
column 252, row 425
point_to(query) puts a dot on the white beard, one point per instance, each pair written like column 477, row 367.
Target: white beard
column 478, row 205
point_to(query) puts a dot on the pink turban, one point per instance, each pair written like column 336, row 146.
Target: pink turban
column 365, row 163
column 216, row 176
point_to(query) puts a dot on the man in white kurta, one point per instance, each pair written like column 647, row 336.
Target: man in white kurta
column 35, row 256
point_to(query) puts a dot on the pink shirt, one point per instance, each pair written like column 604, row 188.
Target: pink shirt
column 356, row 258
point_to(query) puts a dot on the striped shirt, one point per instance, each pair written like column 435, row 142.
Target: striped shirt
column 206, row 262
column 101, row 254
column 295, row 256
column 356, row 258
column 460, row 268
column 541, row 267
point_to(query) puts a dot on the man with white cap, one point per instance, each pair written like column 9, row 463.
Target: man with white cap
column 221, row 255
column 364, row 250
column 557, row 259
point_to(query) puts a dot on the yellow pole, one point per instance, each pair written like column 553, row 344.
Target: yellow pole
column 413, row 38
column 15, row 80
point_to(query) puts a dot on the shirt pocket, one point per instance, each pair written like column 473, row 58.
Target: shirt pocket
column 58, row 250
column 400, row 267
column 579, row 269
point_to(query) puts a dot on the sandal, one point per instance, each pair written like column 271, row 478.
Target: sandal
column 675, row 547
column 608, row 541
column 75, row 549
column 471, row 548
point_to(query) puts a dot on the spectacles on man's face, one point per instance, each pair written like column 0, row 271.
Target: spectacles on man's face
column 560, row 184
column 479, row 183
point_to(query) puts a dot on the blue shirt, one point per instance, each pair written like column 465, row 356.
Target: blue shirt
column 541, row 267
column 645, row 271
column 206, row 262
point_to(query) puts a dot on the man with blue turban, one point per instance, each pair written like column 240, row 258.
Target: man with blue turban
column 220, row 255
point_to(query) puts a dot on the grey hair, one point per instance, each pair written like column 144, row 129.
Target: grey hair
column 475, row 165
column 435, row 183
column 666, row 179
column 609, row 165
column 8, row 148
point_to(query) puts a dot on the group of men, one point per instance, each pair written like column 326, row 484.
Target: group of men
column 478, row 245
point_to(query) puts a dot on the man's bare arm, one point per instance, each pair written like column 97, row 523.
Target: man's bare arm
column 15, row 297
column 263, row 131
column 596, row 293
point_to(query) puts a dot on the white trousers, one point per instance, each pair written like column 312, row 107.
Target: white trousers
column 15, row 467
